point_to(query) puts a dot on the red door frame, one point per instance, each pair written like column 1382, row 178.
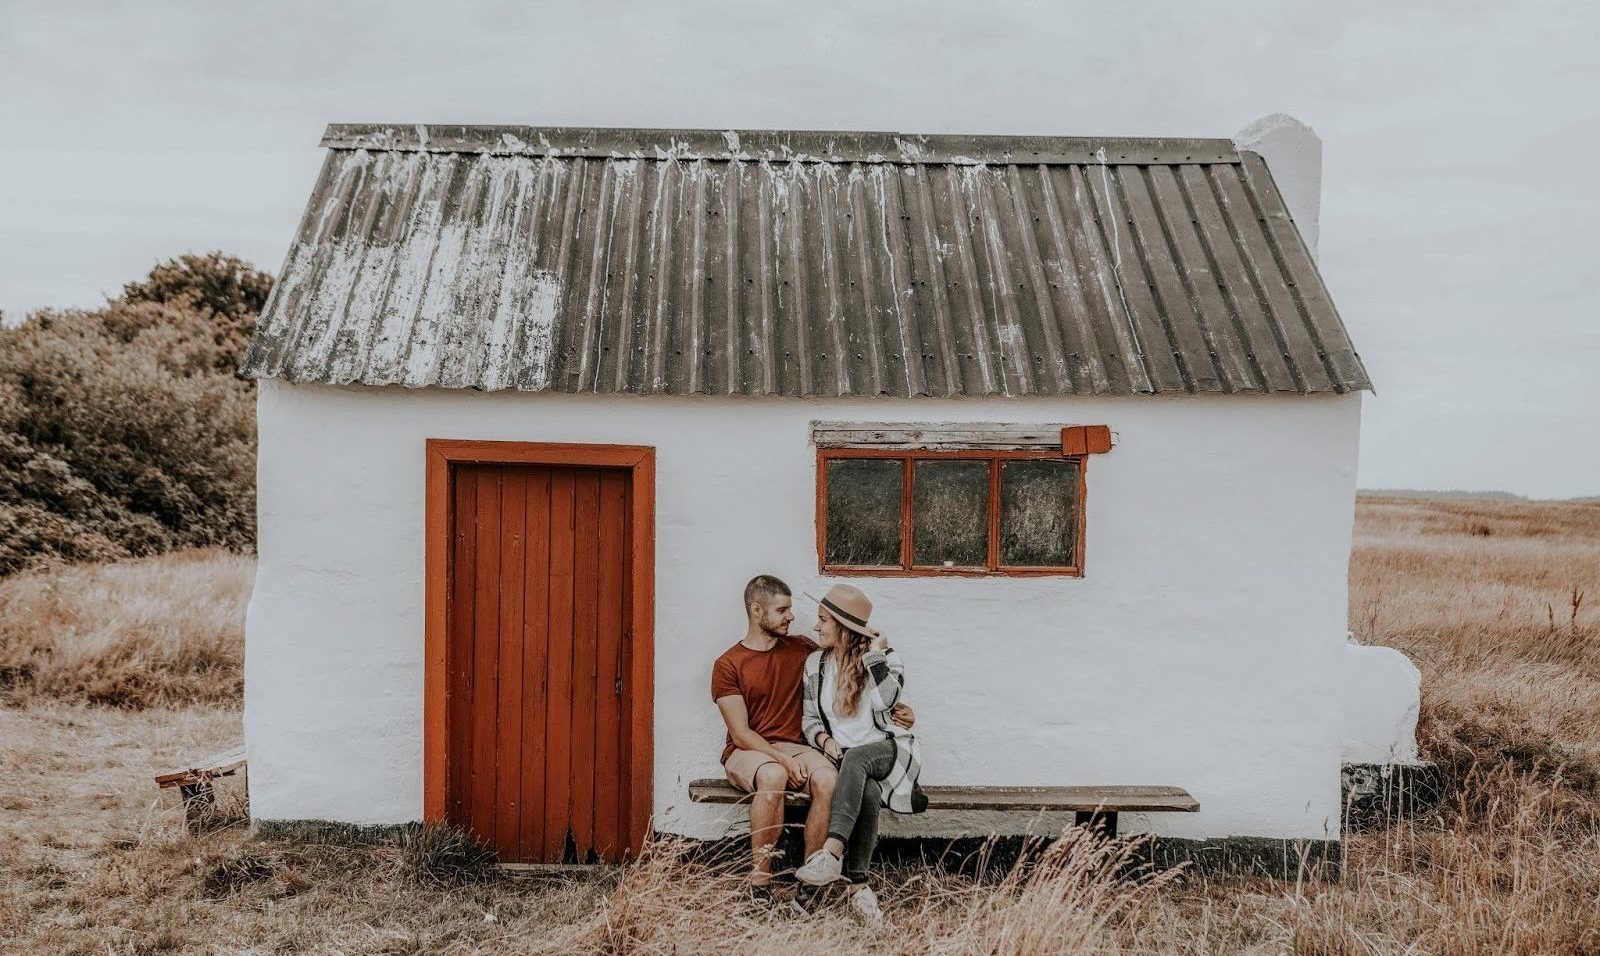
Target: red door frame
column 640, row 461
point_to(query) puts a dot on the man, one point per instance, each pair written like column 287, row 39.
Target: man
column 757, row 685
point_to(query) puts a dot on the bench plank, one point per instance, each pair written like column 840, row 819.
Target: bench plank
column 219, row 764
column 1112, row 799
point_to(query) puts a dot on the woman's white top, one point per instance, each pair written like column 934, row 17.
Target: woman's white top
column 850, row 730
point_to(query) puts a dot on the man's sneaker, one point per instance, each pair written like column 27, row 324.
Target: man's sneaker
column 864, row 906
column 820, row 869
column 760, row 897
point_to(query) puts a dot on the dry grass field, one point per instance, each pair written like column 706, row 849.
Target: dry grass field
column 109, row 672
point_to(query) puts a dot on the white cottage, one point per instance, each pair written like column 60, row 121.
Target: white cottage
column 1079, row 414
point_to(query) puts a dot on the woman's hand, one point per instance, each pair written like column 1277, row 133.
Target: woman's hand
column 880, row 642
column 903, row 715
column 832, row 750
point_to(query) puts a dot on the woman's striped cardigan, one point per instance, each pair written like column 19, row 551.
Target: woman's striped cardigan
column 900, row 790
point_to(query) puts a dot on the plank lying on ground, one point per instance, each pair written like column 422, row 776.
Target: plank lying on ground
column 1114, row 799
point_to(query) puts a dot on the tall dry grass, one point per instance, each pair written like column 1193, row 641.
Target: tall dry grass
column 1483, row 596
column 161, row 631
column 1496, row 603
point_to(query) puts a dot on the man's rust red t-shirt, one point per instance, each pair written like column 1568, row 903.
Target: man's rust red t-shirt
column 771, row 683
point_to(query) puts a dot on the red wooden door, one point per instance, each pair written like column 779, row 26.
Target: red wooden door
column 537, row 709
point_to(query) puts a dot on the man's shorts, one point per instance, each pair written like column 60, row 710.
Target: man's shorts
column 743, row 764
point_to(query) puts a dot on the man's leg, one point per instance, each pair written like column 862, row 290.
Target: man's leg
column 766, row 819
column 765, row 780
column 820, row 787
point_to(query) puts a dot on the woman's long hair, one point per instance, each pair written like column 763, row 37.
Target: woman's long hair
column 852, row 673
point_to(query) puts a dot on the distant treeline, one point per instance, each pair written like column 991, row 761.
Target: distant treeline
column 126, row 430
column 1448, row 495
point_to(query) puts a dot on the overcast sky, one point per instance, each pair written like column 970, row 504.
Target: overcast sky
column 1460, row 211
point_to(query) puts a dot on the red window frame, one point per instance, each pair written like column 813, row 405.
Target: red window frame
column 907, row 490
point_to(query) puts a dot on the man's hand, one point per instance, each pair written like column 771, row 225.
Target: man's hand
column 903, row 715
column 795, row 769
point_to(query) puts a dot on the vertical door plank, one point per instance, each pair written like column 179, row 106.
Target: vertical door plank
column 585, row 640
column 458, row 702
column 535, row 664
column 558, row 707
column 508, row 730
column 485, row 652
column 630, row 688
column 610, row 824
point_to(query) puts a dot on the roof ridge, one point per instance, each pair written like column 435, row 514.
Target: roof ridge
column 816, row 146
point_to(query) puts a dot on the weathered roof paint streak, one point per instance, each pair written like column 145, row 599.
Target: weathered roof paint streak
column 798, row 263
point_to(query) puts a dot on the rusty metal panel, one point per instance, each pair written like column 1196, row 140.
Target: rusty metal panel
column 772, row 263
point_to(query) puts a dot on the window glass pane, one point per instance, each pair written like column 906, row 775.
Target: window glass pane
column 950, row 514
column 864, row 512
column 1038, row 512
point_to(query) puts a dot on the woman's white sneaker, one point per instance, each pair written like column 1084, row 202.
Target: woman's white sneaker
column 819, row 869
column 864, row 904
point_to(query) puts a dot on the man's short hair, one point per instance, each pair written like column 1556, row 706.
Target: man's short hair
column 763, row 588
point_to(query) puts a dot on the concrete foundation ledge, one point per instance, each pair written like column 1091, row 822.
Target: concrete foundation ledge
column 334, row 833
column 973, row 856
column 1251, row 856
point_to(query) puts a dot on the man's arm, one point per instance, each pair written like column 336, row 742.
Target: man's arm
column 737, row 718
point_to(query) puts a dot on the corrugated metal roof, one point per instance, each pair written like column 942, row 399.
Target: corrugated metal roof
column 798, row 263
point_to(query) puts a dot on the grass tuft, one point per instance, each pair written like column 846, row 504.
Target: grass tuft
column 441, row 857
column 228, row 876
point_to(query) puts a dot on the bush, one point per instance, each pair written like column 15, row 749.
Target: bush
column 125, row 431
column 225, row 292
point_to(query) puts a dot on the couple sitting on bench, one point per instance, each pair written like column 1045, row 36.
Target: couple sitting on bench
column 822, row 717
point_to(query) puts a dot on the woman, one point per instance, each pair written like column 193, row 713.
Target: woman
column 852, row 684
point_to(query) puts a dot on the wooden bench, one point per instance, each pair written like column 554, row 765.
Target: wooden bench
column 1095, row 806
column 194, row 780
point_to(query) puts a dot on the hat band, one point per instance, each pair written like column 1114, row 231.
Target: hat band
column 857, row 621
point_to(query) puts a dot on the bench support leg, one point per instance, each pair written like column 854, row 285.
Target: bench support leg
column 198, row 798
column 1101, row 822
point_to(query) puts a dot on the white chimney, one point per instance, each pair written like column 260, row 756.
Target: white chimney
column 1293, row 153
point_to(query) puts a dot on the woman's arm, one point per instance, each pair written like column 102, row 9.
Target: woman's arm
column 812, row 727
column 887, row 677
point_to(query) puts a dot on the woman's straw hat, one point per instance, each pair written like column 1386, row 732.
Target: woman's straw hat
column 849, row 606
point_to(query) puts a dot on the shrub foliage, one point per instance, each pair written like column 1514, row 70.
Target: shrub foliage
column 126, row 431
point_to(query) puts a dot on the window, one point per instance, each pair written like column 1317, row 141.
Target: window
column 963, row 511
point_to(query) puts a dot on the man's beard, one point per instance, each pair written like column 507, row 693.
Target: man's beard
column 775, row 632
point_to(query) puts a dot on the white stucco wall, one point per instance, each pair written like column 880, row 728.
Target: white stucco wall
column 1381, row 691
column 1201, row 649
